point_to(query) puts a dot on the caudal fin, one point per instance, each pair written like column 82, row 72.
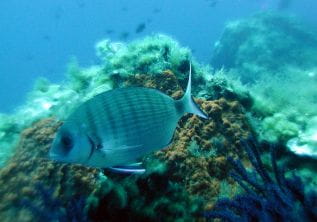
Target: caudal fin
column 188, row 103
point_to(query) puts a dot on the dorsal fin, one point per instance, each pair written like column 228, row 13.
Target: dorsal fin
column 187, row 101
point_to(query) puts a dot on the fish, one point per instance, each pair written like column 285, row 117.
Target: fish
column 140, row 28
column 114, row 129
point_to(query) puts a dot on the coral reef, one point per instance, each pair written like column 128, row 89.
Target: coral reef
column 274, row 55
column 266, row 198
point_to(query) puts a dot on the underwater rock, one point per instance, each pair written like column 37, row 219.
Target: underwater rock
column 265, row 43
column 197, row 158
column 179, row 182
column 306, row 142
column 275, row 56
column 151, row 55
column 30, row 165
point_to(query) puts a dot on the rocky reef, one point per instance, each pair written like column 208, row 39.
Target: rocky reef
column 187, row 178
column 30, row 166
column 180, row 181
column 275, row 55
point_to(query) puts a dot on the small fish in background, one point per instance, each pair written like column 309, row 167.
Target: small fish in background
column 117, row 127
column 284, row 4
column 140, row 28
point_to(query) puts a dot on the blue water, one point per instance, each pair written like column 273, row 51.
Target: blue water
column 38, row 38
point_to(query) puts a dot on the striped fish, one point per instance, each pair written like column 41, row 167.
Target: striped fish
column 119, row 126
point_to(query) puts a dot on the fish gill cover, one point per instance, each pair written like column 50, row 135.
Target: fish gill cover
column 186, row 179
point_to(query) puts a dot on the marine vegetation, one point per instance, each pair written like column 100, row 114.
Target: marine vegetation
column 266, row 197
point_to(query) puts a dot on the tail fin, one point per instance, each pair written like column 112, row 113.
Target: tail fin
column 187, row 102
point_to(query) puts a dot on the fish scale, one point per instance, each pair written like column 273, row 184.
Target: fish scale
column 145, row 112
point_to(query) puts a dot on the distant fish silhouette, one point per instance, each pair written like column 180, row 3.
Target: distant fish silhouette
column 140, row 28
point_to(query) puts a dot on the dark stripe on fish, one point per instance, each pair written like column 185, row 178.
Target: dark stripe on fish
column 92, row 147
column 134, row 119
column 92, row 122
column 112, row 123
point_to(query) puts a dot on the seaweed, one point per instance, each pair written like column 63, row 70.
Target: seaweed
column 267, row 197
column 51, row 208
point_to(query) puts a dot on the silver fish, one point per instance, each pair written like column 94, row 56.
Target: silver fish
column 119, row 126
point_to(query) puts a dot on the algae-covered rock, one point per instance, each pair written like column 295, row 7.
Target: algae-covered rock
column 275, row 56
column 152, row 54
column 180, row 181
column 30, row 166
column 265, row 43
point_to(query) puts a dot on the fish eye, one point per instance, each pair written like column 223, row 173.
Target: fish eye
column 67, row 143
